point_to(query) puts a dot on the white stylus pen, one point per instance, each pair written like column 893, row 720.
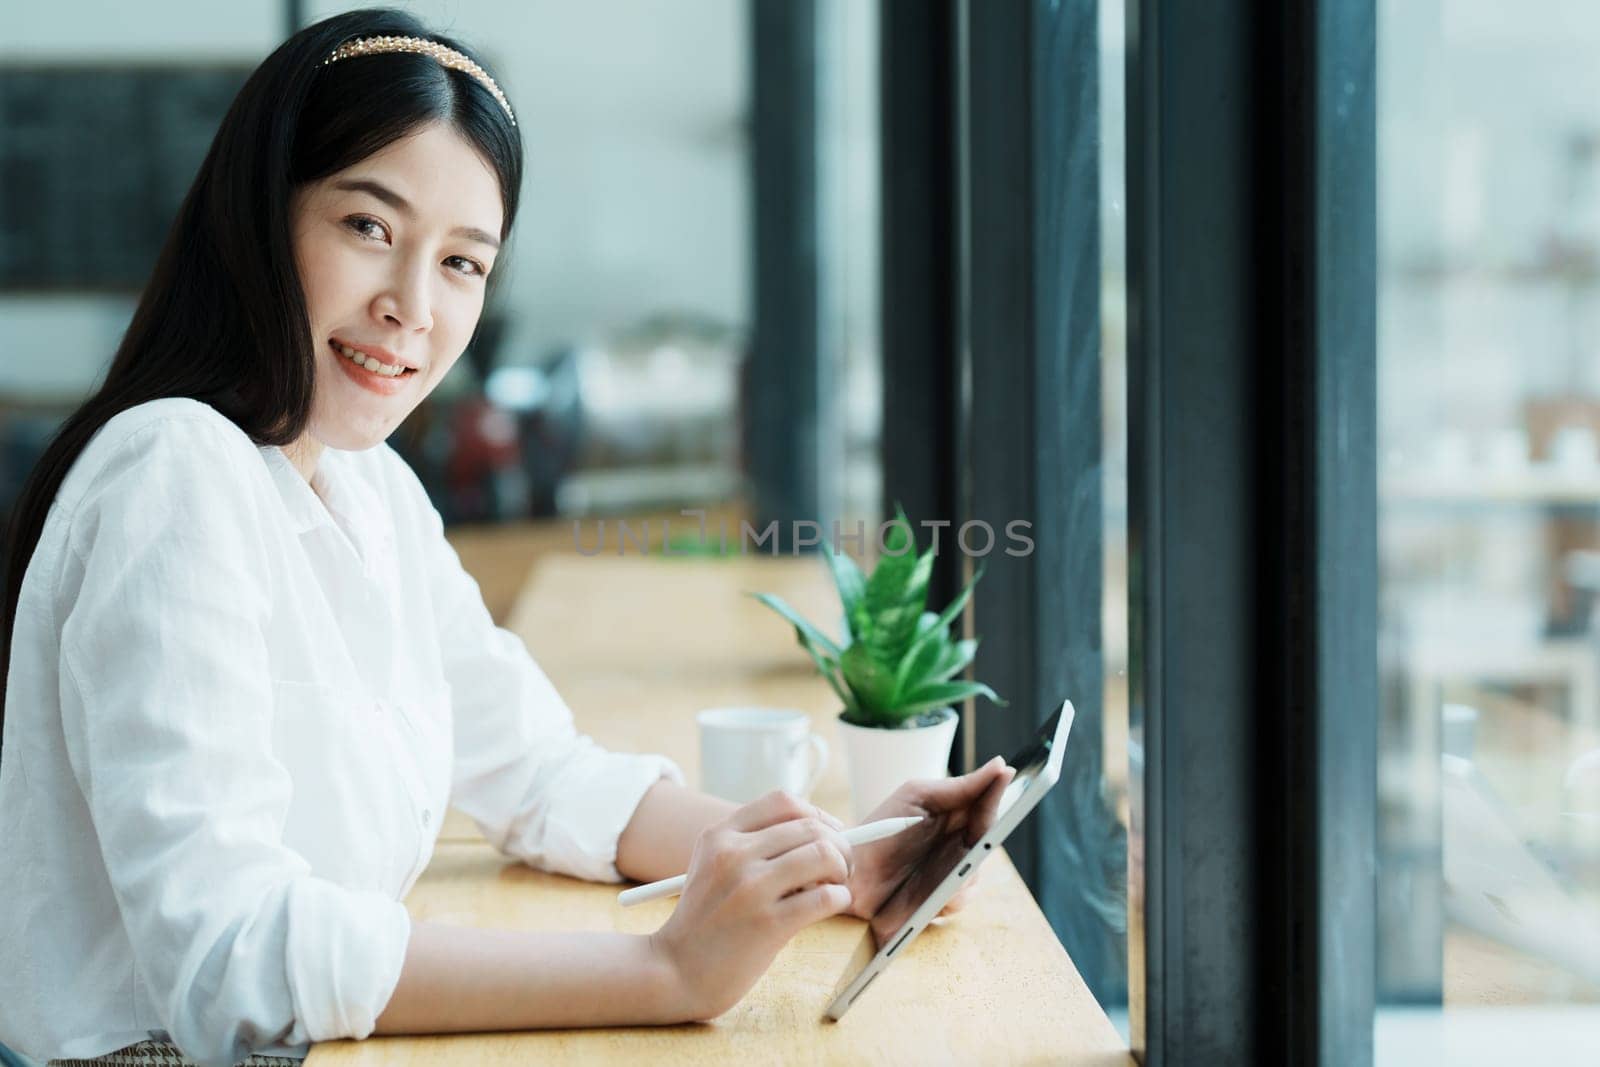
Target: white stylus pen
column 856, row 835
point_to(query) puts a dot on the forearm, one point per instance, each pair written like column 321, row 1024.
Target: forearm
column 659, row 839
column 462, row 978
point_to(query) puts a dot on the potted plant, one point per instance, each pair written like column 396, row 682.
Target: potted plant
column 895, row 669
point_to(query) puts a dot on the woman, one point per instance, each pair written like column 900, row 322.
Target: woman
column 245, row 673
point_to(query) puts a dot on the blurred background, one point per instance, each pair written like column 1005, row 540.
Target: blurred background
column 1489, row 518
column 607, row 375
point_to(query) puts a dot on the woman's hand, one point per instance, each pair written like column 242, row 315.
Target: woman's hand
column 756, row 879
column 969, row 804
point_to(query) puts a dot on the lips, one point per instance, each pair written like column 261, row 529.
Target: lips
column 370, row 374
column 375, row 357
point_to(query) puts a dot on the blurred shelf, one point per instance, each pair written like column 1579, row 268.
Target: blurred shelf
column 1575, row 272
column 597, row 492
column 1532, row 484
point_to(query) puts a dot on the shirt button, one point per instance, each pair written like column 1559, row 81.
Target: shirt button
column 427, row 817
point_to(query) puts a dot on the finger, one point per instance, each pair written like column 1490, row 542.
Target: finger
column 779, row 838
column 815, row 861
column 951, row 794
column 777, row 806
column 814, row 904
column 977, row 876
column 957, row 902
column 986, row 810
column 964, row 897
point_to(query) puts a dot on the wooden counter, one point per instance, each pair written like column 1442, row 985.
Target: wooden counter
column 636, row 647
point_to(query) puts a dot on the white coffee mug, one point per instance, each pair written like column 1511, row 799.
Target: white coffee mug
column 748, row 752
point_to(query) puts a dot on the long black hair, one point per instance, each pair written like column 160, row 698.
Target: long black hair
column 223, row 318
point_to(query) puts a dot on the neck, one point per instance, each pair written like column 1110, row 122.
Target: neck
column 304, row 454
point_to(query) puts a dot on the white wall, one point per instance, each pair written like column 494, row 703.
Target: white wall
column 75, row 30
column 632, row 114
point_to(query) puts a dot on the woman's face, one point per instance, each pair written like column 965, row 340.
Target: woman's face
column 393, row 254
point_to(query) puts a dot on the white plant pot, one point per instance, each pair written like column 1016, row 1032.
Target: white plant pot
column 878, row 760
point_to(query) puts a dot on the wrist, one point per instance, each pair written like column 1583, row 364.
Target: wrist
column 668, row 993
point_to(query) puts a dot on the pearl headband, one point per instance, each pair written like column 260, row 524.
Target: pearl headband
column 448, row 57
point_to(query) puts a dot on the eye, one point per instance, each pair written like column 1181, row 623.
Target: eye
column 468, row 267
column 364, row 225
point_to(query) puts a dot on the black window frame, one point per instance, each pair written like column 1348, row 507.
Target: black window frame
column 1251, row 215
column 993, row 394
column 1253, row 525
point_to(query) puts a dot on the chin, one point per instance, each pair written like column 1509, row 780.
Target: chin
column 362, row 442
column 355, row 438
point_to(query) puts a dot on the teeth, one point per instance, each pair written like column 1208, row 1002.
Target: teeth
column 371, row 363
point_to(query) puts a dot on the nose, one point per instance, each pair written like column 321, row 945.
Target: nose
column 406, row 302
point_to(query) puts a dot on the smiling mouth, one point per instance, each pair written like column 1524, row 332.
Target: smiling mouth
column 370, row 363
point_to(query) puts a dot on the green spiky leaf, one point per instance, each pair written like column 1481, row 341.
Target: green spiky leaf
column 896, row 569
column 852, row 586
column 949, row 614
column 828, row 667
column 870, row 681
column 895, row 604
column 919, row 661
column 807, row 630
column 897, row 659
column 955, row 659
column 943, row 694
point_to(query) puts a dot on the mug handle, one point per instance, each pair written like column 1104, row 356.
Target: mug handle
column 819, row 752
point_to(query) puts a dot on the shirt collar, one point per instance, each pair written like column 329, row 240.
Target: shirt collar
column 306, row 512
column 338, row 498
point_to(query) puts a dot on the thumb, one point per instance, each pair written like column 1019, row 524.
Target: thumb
column 947, row 794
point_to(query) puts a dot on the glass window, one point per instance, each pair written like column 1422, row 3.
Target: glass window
column 1489, row 530
column 1119, row 747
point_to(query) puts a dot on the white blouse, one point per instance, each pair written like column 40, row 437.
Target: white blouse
column 235, row 715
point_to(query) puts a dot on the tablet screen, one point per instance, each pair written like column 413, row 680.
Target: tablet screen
column 946, row 850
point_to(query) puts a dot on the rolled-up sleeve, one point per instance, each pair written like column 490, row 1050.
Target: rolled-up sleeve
column 167, row 715
column 538, row 789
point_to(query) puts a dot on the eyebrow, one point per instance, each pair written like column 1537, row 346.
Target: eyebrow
column 401, row 204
